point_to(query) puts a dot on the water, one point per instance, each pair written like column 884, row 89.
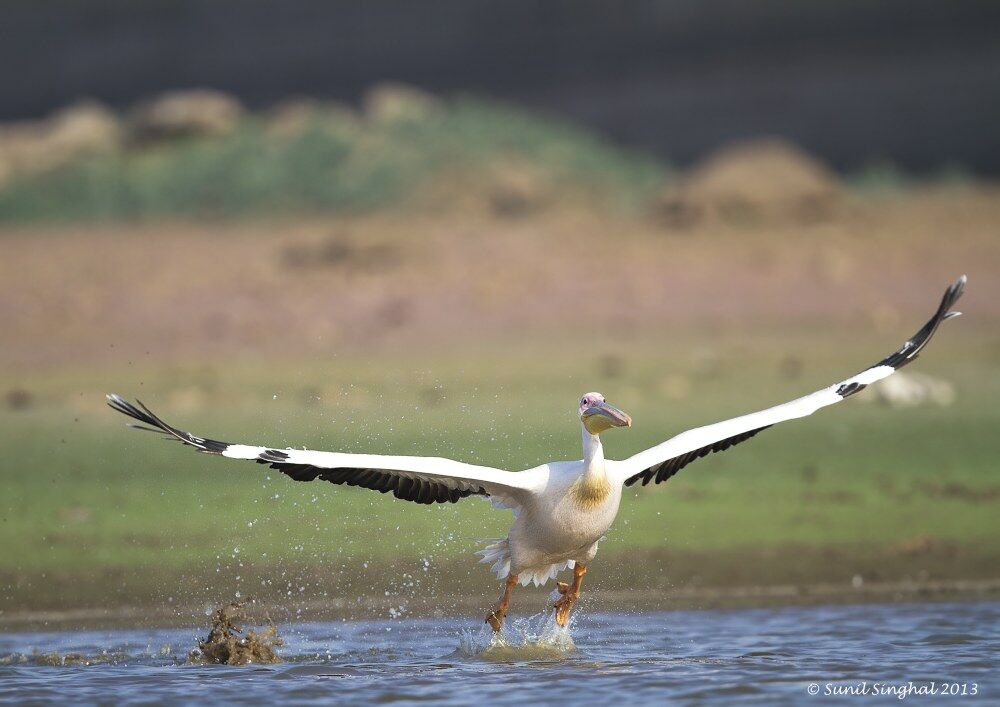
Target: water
column 721, row 656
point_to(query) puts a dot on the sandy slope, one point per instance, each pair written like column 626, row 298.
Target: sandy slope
column 109, row 294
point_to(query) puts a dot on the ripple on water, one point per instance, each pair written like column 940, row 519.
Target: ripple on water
column 951, row 639
column 773, row 655
column 715, row 657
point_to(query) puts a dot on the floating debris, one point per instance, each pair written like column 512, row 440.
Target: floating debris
column 54, row 658
column 225, row 645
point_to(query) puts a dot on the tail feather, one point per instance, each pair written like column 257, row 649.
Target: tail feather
column 498, row 552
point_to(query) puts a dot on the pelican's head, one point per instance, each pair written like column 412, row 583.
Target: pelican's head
column 598, row 415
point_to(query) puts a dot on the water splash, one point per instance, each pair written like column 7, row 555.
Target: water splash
column 534, row 638
column 225, row 646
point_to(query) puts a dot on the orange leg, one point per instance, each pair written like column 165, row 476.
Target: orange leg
column 570, row 593
column 495, row 617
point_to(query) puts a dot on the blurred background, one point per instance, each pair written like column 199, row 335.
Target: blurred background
column 427, row 228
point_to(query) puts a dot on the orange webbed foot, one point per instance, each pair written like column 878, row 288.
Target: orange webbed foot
column 570, row 594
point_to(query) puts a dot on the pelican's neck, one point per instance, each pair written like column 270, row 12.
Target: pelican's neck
column 592, row 487
column 593, row 454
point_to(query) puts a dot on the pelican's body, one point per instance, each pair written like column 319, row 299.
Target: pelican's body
column 561, row 509
column 560, row 524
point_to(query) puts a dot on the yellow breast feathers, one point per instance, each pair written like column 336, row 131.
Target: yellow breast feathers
column 590, row 492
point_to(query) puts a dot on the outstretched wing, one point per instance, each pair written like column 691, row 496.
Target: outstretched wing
column 418, row 479
column 661, row 462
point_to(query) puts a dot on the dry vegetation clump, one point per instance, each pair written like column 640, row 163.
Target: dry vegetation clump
column 340, row 251
column 77, row 131
column 225, row 646
column 752, row 181
column 918, row 545
column 389, row 103
column 200, row 153
column 292, row 118
column 179, row 114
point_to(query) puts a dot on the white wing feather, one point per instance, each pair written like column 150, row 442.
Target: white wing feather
column 384, row 473
column 662, row 461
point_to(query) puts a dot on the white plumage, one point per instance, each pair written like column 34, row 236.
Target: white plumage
column 561, row 509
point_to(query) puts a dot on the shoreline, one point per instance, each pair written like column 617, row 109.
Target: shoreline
column 368, row 607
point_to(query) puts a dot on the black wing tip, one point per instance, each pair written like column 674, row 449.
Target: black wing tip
column 120, row 404
column 152, row 423
column 909, row 351
column 951, row 296
column 953, row 293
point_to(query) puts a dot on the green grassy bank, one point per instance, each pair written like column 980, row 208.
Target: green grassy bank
column 91, row 505
column 333, row 161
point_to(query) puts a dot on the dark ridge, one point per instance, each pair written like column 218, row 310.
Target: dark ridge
column 676, row 78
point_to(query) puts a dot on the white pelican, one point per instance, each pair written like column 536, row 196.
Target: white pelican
column 561, row 509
